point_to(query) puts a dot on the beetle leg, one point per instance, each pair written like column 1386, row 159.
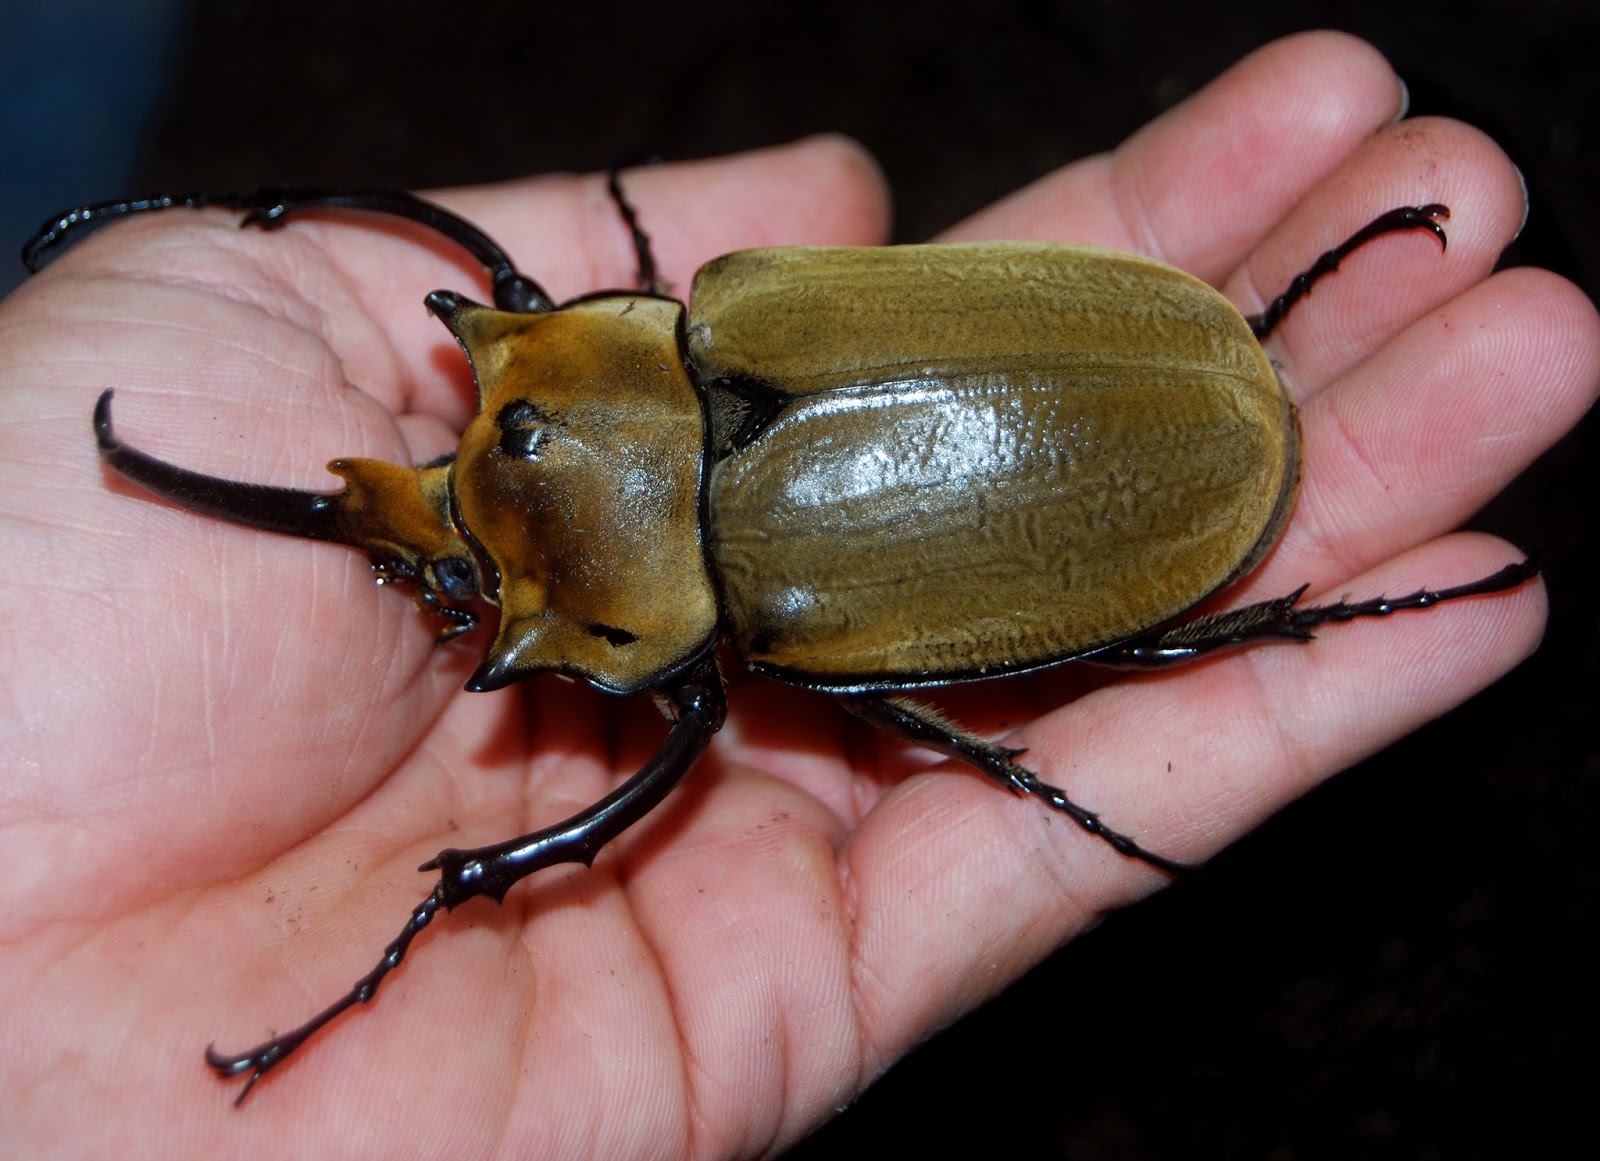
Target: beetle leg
column 649, row 277
column 926, row 727
column 1279, row 620
column 271, row 208
column 1405, row 218
column 698, row 704
column 263, row 1058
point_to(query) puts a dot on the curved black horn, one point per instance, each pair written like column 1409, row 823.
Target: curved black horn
column 286, row 510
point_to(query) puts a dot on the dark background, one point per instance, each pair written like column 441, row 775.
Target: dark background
column 1402, row 964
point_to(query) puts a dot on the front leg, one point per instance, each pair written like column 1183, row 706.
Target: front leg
column 270, row 208
column 698, row 706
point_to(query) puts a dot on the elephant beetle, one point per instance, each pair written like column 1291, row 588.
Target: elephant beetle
column 868, row 470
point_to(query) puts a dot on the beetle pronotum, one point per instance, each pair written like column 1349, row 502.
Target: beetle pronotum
column 958, row 484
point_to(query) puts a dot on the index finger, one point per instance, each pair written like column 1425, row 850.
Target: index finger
column 565, row 232
column 1202, row 184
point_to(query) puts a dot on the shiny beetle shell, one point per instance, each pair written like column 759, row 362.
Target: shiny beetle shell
column 1020, row 454
column 961, row 461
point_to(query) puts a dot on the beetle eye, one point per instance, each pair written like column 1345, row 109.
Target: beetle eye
column 455, row 577
column 616, row 637
column 524, row 429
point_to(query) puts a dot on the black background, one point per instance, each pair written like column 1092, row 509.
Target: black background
column 1400, row 965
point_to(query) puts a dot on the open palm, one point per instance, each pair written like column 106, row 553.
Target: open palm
column 224, row 753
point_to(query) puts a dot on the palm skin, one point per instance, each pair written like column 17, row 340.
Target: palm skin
column 226, row 753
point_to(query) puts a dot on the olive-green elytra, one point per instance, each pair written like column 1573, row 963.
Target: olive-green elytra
column 868, row 469
column 1021, row 454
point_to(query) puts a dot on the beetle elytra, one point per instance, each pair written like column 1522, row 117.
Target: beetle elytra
column 868, row 470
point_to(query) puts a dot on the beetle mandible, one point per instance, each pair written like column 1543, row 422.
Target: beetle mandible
column 869, row 470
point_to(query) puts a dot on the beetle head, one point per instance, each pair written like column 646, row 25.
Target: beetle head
column 574, row 501
column 579, row 485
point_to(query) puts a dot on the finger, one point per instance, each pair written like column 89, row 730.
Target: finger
column 1414, row 440
column 1202, row 184
column 735, row 892
column 823, row 190
column 1265, row 725
column 1185, row 761
column 566, row 233
column 357, row 281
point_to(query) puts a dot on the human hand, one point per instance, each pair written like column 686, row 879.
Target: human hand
column 227, row 753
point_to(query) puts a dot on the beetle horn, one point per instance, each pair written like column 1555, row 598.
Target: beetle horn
column 285, row 510
column 399, row 515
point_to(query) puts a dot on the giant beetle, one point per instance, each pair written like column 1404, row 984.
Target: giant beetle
column 869, row 470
